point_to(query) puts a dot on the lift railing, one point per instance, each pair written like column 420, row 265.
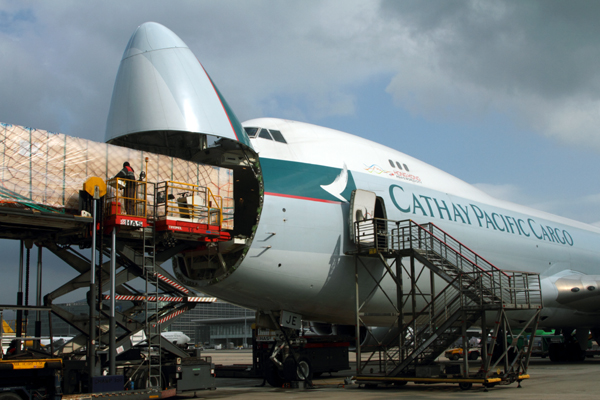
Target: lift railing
column 128, row 197
column 188, row 202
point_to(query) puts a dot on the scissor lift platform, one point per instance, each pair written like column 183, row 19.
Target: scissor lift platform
column 130, row 217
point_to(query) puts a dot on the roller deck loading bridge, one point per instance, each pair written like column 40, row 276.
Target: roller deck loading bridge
column 131, row 226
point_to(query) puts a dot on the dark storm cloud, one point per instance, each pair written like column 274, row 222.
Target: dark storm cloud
column 548, row 47
column 536, row 60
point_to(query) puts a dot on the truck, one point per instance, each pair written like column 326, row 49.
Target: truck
column 457, row 353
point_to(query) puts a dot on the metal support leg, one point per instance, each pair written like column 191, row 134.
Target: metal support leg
column 400, row 306
column 465, row 346
column 92, row 300
column 413, row 286
column 112, row 369
column 28, row 246
column 484, row 345
column 38, row 300
column 19, row 327
column 357, row 325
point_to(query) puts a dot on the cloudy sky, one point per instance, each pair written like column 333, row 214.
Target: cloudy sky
column 502, row 94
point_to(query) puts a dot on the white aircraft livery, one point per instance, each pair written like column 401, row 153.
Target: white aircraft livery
column 294, row 183
column 176, row 337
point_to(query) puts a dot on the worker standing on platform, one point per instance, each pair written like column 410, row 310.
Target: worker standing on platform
column 130, row 187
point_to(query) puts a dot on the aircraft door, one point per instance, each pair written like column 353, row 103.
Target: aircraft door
column 362, row 211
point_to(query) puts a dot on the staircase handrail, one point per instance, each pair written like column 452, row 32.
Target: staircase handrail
column 458, row 252
column 461, row 245
column 449, row 304
column 501, row 281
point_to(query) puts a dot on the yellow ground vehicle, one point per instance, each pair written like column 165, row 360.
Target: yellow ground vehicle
column 23, row 379
column 457, row 353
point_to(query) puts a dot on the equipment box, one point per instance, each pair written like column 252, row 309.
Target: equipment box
column 428, row 371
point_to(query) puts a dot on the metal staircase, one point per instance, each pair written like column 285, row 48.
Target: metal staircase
column 473, row 286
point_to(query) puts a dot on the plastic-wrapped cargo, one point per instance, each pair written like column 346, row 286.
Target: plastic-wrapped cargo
column 48, row 169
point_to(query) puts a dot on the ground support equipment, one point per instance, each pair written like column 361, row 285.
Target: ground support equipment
column 451, row 288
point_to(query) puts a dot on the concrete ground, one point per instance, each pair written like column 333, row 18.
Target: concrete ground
column 548, row 381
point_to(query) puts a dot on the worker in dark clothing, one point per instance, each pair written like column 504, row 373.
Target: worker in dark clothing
column 13, row 348
column 128, row 174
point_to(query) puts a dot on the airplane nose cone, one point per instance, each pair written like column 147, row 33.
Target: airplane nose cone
column 161, row 86
column 152, row 36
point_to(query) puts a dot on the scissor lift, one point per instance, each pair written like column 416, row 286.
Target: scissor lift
column 136, row 234
column 189, row 211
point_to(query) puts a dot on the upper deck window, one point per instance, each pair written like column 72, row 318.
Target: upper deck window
column 277, row 136
column 398, row 165
column 251, row 132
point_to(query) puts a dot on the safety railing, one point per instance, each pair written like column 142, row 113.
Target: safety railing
column 128, row 197
column 188, row 202
column 442, row 249
column 453, row 298
column 376, row 233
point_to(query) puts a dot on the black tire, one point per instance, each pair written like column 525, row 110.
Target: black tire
column 140, row 379
column 454, row 357
column 465, row 385
column 566, row 352
column 297, row 372
column 272, row 375
column 556, row 352
column 10, row 396
column 474, row 355
column 574, row 352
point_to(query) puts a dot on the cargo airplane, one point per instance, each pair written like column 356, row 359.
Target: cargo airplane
column 293, row 186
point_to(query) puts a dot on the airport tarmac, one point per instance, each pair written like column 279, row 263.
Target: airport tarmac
column 548, row 381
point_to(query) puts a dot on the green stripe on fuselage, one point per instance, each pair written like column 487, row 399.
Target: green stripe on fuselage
column 300, row 179
column 235, row 123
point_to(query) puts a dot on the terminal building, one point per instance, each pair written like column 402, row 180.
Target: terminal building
column 210, row 325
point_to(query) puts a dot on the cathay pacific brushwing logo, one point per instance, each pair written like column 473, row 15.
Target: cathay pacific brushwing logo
column 336, row 187
column 342, row 186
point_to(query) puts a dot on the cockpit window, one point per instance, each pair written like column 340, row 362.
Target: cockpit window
column 251, row 132
column 391, row 163
column 405, row 167
column 264, row 133
column 398, row 164
column 277, row 136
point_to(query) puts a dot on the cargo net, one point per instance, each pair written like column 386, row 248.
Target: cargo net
column 46, row 170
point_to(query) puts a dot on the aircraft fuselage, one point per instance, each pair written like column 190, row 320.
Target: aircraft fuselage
column 297, row 260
